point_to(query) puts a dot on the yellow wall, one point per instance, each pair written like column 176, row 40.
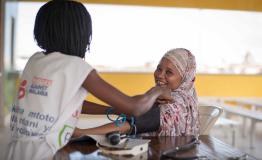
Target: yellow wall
column 206, row 85
column 229, row 85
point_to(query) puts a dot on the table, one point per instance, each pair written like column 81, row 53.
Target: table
column 209, row 146
column 256, row 104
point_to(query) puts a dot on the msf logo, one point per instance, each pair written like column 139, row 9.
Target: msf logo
column 22, row 89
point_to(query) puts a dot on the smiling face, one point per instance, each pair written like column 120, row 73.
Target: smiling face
column 167, row 74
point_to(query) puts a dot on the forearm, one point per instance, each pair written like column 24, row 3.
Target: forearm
column 110, row 127
column 147, row 100
column 121, row 102
column 93, row 108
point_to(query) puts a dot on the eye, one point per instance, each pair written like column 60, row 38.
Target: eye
column 158, row 69
column 168, row 72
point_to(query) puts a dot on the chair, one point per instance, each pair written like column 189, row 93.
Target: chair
column 208, row 115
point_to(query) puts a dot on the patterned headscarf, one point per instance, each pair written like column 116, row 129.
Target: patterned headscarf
column 181, row 116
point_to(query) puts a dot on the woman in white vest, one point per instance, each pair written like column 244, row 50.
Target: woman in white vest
column 56, row 81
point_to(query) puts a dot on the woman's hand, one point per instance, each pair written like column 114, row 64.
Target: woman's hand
column 77, row 133
column 165, row 97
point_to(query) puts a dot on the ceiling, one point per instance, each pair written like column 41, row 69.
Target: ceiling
column 249, row 5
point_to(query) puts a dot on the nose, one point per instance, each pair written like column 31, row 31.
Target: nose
column 160, row 75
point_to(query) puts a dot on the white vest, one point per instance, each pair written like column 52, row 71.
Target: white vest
column 48, row 104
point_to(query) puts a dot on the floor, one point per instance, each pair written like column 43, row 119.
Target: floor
column 222, row 133
column 241, row 142
column 4, row 137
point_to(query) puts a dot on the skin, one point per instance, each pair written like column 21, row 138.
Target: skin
column 101, row 130
column 166, row 74
column 135, row 105
column 93, row 108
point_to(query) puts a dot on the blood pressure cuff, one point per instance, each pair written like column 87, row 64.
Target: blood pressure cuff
column 148, row 122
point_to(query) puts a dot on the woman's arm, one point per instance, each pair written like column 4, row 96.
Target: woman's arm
column 102, row 130
column 136, row 105
column 93, row 108
column 148, row 122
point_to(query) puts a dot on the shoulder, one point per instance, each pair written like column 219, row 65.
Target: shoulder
column 65, row 57
column 60, row 62
column 33, row 59
column 73, row 64
column 36, row 56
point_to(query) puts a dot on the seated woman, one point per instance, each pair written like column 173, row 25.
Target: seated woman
column 176, row 70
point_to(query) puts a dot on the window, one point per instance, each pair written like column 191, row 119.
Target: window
column 134, row 38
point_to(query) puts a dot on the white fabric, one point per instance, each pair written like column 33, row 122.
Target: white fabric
column 48, row 104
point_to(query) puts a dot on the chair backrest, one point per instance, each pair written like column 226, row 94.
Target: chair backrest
column 208, row 116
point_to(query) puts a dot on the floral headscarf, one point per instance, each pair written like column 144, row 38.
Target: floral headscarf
column 181, row 116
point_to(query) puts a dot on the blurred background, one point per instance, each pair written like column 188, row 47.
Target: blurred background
column 130, row 37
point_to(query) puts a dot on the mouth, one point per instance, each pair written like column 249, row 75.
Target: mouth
column 159, row 83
